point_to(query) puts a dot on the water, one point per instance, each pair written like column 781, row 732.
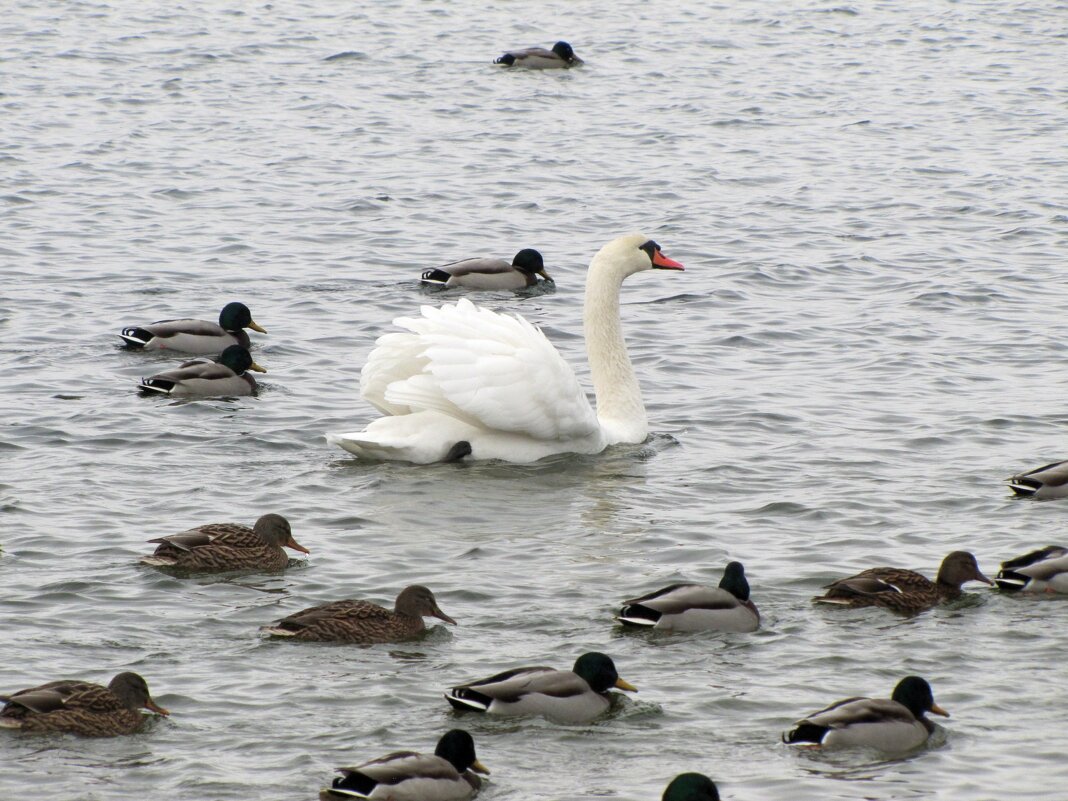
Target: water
column 869, row 200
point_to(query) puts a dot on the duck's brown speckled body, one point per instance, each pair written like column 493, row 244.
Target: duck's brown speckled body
column 217, row 547
column 904, row 591
column 80, row 707
column 362, row 621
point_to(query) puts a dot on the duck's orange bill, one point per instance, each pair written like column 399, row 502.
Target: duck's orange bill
column 937, row 710
column 296, row 546
column 150, row 704
column 664, row 263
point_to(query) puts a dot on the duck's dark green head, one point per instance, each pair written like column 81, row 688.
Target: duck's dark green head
column 239, row 360
column 236, row 316
column 565, row 51
column 599, row 671
column 734, row 582
column 458, row 749
column 132, row 690
column 691, row 787
column 529, row 262
column 915, row 695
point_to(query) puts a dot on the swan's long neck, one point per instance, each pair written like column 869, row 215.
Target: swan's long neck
column 619, row 398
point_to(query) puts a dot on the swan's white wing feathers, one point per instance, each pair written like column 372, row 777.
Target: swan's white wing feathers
column 491, row 370
column 396, row 357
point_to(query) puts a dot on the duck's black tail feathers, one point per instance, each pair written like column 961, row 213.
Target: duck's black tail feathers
column 436, row 276
column 135, row 338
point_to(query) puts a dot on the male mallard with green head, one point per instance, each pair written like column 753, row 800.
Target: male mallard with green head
column 693, row 607
column 567, row 696
column 226, row 375
column 448, row 775
column 194, row 336
column 896, row 724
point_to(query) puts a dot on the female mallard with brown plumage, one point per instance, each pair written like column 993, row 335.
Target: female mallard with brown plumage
column 903, row 590
column 80, row 707
column 448, row 775
column 218, row 547
column 1044, row 570
column 896, row 724
column 362, row 621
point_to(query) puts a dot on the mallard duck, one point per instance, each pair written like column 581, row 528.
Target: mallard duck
column 448, row 775
column 490, row 273
column 194, row 336
column 904, row 590
column 362, row 621
column 898, row 724
column 538, row 58
column 1044, row 570
column 217, row 547
column 1045, row 483
column 464, row 380
column 567, row 696
column 693, row 607
column 203, row 377
column 691, row 787
column 80, row 707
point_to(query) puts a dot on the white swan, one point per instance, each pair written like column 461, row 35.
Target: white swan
column 463, row 380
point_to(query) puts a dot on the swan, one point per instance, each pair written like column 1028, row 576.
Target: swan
column 463, row 380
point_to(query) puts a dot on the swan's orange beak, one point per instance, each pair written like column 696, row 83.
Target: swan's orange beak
column 662, row 262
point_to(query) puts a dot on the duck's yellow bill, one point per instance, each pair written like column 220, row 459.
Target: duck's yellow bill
column 255, row 327
column 478, row 767
column 936, row 709
column 626, row 685
column 257, row 368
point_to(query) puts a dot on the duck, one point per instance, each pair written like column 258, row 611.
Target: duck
column 1044, row 570
column 218, row 547
column 1046, row 483
column 538, row 58
column 362, row 621
column 896, row 724
column 523, row 272
column 463, row 380
column 81, row 707
column 691, row 787
column 904, row 590
column 194, row 336
column 578, row 695
column 693, row 607
column 450, row 774
column 226, row 375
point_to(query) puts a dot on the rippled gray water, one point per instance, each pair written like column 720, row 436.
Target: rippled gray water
column 870, row 202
